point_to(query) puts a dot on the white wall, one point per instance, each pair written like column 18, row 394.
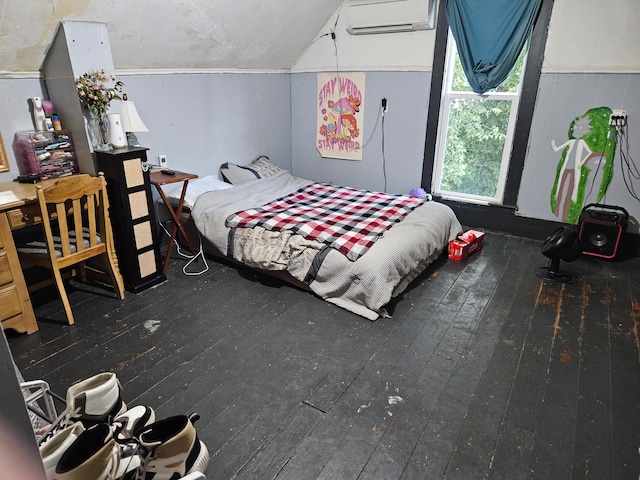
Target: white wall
column 169, row 34
column 397, row 67
column 198, row 120
column 562, row 97
column 387, row 52
column 584, row 36
column 594, row 36
column 591, row 60
column 202, row 120
column 589, row 37
column 399, row 163
column 15, row 93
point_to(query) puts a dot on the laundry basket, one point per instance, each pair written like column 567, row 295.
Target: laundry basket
column 41, row 405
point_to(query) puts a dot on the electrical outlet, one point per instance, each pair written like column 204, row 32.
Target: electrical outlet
column 162, row 161
column 618, row 118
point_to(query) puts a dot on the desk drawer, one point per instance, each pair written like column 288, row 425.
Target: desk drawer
column 5, row 269
column 24, row 216
column 9, row 302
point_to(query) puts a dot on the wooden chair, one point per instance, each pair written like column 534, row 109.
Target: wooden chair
column 78, row 203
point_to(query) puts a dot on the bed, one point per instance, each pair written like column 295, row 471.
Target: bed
column 362, row 284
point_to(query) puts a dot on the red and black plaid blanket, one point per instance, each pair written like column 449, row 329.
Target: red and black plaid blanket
column 344, row 218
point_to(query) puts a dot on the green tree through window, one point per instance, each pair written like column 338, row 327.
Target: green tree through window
column 475, row 140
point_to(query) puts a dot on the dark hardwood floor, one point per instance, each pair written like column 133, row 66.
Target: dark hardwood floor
column 483, row 370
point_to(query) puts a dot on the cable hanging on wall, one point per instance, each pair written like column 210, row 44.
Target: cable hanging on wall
column 332, row 34
column 382, row 107
column 628, row 167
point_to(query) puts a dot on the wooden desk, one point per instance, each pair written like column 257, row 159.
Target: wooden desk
column 18, row 208
column 158, row 179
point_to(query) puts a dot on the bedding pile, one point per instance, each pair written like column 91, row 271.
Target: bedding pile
column 364, row 285
column 344, row 218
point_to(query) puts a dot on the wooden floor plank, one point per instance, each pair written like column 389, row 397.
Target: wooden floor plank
column 624, row 308
column 551, row 456
column 493, row 356
column 514, row 444
column 219, row 352
column 129, row 340
column 349, row 417
column 453, row 332
column 592, row 443
column 483, row 370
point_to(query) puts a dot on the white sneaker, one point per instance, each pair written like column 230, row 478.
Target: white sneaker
column 92, row 401
column 95, row 455
column 131, row 422
column 170, row 449
column 52, row 449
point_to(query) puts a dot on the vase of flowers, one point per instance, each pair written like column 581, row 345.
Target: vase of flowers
column 98, row 129
column 96, row 90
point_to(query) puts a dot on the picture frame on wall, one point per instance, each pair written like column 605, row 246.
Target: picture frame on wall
column 4, row 161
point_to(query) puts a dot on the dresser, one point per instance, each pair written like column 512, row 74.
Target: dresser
column 16, row 311
column 132, row 216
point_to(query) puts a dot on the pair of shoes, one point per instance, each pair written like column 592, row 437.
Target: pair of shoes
column 96, row 437
column 96, row 455
column 103, row 447
column 165, row 450
column 170, row 449
column 94, row 400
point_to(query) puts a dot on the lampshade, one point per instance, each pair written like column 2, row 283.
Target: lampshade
column 131, row 121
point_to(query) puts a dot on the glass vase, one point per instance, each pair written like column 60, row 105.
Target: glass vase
column 98, row 128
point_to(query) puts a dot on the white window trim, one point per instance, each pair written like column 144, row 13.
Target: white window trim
column 443, row 122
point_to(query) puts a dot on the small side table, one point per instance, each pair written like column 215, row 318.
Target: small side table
column 159, row 179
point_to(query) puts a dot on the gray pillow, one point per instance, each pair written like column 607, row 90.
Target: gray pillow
column 261, row 167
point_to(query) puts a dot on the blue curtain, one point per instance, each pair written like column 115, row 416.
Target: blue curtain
column 490, row 35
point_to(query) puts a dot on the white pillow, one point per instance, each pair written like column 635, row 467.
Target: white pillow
column 195, row 188
column 261, row 167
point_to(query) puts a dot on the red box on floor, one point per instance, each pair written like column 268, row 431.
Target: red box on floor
column 466, row 244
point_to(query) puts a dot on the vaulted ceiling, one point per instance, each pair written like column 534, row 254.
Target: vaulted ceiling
column 169, row 34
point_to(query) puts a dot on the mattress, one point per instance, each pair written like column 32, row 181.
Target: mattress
column 363, row 286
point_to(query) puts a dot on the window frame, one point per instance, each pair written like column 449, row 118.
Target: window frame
column 444, row 115
column 528, row 94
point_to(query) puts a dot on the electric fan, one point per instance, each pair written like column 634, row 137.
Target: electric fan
column 563, row 244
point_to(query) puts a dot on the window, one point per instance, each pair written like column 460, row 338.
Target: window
column 475, row 134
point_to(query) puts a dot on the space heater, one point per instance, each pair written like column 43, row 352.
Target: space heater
column 601, row 228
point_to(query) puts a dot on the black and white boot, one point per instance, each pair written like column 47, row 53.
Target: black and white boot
column 170, row 449
column 95, row 455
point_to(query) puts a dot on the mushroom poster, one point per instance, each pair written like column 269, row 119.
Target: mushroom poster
column 340, row 115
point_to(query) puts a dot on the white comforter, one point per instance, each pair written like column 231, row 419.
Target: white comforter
column 364, row 286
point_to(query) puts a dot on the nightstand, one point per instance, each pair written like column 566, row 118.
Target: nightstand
column 158, row 178
column 132, row 216
column 15, row 305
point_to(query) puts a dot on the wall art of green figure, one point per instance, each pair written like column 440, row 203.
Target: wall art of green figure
column 587, row 153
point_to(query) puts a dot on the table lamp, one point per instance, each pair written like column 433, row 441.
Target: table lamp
column 131, row 121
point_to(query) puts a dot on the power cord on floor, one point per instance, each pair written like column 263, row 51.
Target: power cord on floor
column 179, row 251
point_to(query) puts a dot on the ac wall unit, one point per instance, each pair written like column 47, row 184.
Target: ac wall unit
column 390, row 16
column 391, row 28
column 356, row 3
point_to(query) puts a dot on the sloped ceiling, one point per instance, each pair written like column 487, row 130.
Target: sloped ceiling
column 170, row 34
